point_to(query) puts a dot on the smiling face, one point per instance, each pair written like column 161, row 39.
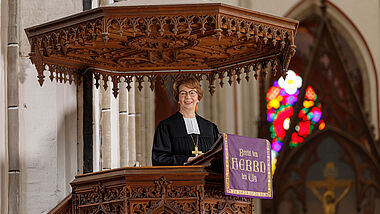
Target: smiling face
column 187, row 98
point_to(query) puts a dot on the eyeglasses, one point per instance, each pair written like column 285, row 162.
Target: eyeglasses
column 192, row 93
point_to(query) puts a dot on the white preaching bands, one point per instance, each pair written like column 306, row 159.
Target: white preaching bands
column 192, row 126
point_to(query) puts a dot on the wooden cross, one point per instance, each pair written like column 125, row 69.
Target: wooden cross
column 196, row 152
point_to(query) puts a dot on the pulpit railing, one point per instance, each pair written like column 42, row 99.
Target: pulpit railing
column 64, row 207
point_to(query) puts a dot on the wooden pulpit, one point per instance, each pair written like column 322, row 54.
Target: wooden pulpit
column 195, row 188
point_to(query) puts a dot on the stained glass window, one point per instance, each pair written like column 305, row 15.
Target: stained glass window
column 281, row 98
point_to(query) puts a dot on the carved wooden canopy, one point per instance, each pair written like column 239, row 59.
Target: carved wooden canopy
column 149, row 42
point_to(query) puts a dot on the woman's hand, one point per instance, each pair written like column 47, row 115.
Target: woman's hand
column 190, row 159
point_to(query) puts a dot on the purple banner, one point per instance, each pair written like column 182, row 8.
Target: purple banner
column 247, row 167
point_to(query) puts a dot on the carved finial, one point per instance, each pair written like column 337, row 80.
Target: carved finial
column 221, row 77
column 140, row 80
column 256, row 75
column 237, row 75
column 230, row 74
column 211, row 79
column 218, row 33
column 41, row 78
column 152, row 79
column 115, row 86
column 128, row 80
column 247, row 69
column 105, row 81
column 97, row 78
column 211, row 89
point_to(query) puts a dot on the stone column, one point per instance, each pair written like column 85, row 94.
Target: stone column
column 249, row 97
column 208, row 106
column 218, row 108
column 114, row 134
column 204, row 104
column 238, row 107
column 139, row 105
column 80, row 136
column 3, row 111
column 147, row 122
column 97, row 134
column 224, row 101
column 131, row 126
column 105, row 2
column 105, row 128
column 13, row 107
column 123, row 125
column 149, row 125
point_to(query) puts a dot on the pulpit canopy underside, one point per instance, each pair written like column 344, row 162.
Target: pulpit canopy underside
column 150, row 42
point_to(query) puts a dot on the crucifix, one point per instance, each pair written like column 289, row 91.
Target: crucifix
column 328, row 198
column 196, row 152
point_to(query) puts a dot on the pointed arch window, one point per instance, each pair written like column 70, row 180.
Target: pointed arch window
column 330, row 79
column 330, row 65
column 281, row 97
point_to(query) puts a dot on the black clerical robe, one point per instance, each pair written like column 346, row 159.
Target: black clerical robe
column 172, row 145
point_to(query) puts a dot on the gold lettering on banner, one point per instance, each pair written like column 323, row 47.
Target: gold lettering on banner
column 255, row 166
column 262, row 167
column 252, row 178
column 243, row 176
column 243, row 153
column 248, row 165
column 234, row 163
column 255, row 154
column 244, row 163
column 241, row 164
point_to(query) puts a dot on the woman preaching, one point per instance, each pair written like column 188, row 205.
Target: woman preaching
column 184, row 135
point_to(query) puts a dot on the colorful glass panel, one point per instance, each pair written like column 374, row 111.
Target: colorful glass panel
column 281, row 98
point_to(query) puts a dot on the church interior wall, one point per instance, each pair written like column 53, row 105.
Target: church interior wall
column 48, row 119
column 364, row 60
column 3, row 109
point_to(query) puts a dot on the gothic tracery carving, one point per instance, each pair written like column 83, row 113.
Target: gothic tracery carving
column 204, row 43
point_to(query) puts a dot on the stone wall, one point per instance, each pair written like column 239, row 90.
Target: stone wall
column 48, row 119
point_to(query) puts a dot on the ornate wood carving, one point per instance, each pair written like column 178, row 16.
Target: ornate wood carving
column 124, row 42
column 163, row 195
column 216, row 202
column 188, row 189
column 100, row 198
